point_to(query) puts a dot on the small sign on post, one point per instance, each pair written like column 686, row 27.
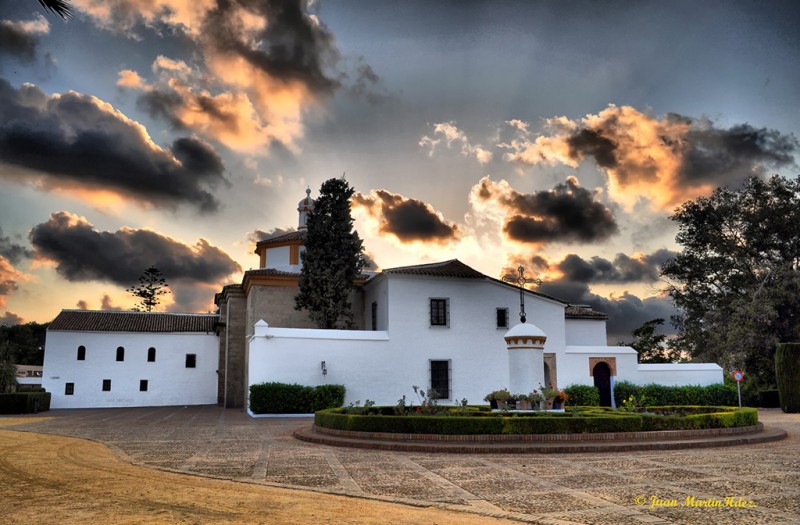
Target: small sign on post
column 739, row 376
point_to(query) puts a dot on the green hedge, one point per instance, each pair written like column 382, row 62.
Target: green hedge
column 590, row 420
column 283, row 398
column 690, row 395
column 582, row 395
column 787, row 375
column 24, row 402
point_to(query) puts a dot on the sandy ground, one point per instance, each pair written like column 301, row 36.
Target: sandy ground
column 55, row 479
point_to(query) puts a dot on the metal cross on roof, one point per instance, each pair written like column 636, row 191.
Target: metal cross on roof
column 521, row 281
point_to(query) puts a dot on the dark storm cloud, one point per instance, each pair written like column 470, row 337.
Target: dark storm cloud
column 11, row 319
column 7, row 286
column 292, row 45
column 625, row 312
column 82, row 253
column 566, row 213
column 587, row 142
column 261, row 235
column 12, row 251
column 624, row 268
column 18, row 41
column 76, row 140
column 730, row 155
column 407, row 219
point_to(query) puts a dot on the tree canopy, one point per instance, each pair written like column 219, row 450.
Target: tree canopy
column 737, row 280
column 332, row 259
column 151, row 287
column 652, row 346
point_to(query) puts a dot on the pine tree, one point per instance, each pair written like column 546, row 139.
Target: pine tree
column 151, row 286
column 333, row 257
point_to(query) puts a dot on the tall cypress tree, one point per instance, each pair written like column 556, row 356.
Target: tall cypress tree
column 333, row 257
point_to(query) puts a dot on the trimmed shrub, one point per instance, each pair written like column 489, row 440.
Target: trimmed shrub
column 787, row 375
column 582, row 395
column 589, row 420
column 283, row 398
column 24, row 402
column 721, row 396
column 769, row 399
column 689, row 395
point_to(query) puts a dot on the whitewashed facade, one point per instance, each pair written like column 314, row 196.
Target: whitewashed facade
column 383, row 364
column 85, row 368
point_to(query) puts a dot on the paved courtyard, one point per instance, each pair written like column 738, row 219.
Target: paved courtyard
column 634, row 487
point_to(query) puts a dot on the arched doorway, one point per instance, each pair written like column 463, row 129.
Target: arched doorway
column 602, row 380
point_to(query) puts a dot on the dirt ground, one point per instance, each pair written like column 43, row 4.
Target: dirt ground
column 55, row 479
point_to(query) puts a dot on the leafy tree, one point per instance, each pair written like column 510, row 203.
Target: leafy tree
column 652, row 346
column 151, row 287
column 26, row 342
column 737, row 279
column 333, row 257
column 8, row 371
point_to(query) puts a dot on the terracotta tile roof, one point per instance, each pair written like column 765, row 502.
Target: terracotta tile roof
column 299, row 235
column 583, row 311
column 451, row 268
column 119, row 321
column 270, row 271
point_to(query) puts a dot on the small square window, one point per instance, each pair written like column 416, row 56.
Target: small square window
column 120, row 353
column 502, row 318
column 69, row 389
column 191, row 360
column 106, row 385
column 81, row 353
column 143, row 385
column 151, row 355
column 439, row 312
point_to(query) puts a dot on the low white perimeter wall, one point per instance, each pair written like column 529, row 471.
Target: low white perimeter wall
column 371, row 365
column 169, row 381
column 679, row 374
column 573, row 368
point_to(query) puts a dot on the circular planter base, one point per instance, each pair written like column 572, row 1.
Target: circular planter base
column 543, row 443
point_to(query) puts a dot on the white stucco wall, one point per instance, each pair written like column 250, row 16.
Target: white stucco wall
column 169, row 381
column 702, row 374
column 588, row 332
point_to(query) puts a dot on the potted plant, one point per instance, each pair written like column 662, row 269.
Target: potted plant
column 523, row 402
column 550, row 393
column 537, row 400
column 496, row 397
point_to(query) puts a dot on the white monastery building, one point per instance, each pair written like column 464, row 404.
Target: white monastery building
column 442, row 325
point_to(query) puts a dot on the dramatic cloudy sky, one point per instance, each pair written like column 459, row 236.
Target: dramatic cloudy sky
column 559, row 135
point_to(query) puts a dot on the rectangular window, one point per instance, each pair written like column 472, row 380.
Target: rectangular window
column 440, row 378
column 191, row 360
column 120, row 354
column 143, row 385
column 439, row 312
column 375, row 316
column 81, row 353
column 151, row 355
column 502, row 318
column 69, row 389
column 106, row 385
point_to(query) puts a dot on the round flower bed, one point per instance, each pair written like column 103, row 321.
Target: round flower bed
column 583, row 420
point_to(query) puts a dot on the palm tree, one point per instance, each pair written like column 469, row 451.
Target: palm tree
column 62, row 8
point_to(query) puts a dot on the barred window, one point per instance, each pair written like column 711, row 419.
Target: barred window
column 69, row 389
column 440, row 316
column 440, row 378
column 502, row 318
column 106, row 385
column 143, row 385
column 191, row 360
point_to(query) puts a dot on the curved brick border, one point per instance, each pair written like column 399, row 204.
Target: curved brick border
column 544, row 444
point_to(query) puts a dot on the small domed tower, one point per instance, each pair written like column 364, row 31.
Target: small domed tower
column 283, row 251
column 304, row 207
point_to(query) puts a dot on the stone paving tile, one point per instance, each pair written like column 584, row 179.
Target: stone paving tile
column 560, row 488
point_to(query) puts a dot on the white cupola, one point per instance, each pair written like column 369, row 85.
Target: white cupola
column 304, row 207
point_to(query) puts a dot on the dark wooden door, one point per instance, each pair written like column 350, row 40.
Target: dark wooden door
column 602, row 380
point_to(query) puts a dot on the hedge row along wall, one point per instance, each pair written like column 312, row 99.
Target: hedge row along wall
column 787, row 375
column 24, row 402
column 282, row 398
column 589, row 422
column 657, row 395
